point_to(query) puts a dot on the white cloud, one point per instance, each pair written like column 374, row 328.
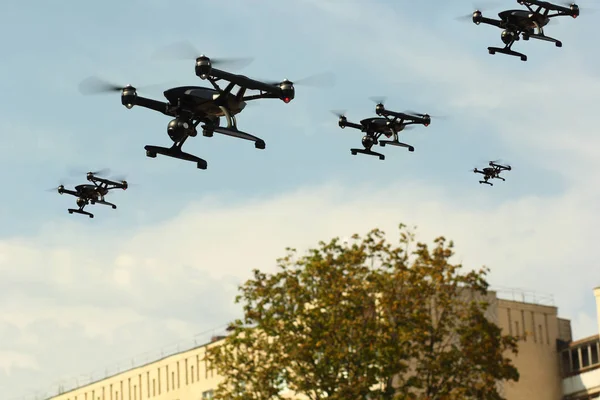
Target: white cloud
column 10, row 360
column 181, row 274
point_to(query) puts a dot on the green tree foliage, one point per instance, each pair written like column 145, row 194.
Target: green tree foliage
column 365, row 319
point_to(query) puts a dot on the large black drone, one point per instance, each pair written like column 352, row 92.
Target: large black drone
column 527, row 24
column 193, row 105
column 389, row 123
column 492, row 172
column 92, row 193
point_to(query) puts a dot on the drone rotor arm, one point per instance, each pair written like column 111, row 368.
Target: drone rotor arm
column 155, row 105
column 71, row 192
column 353, row 125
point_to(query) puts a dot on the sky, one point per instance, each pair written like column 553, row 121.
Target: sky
column 82, row 297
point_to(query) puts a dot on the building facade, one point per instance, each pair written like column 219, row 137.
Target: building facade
column 580, row 364
column 186, row 376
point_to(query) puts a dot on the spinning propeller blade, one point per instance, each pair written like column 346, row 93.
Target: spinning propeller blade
column 95, row 85
column 378, row 99
column 184, row 50
column 416, row 114
column 122, row 178
column 103, row 171
column 586, row 9
column 323, row 79
column 339, row 113
column 62, row 183
column 480, row 6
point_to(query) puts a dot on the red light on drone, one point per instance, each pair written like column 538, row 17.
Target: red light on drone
column 286, row 100
column 426, row 125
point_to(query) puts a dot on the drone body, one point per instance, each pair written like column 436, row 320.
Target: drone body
column 190, row 106
column 527, row 24
column 389, row 123
column 492, row 172
column 92, row 193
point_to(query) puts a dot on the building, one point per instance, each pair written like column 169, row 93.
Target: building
column 580, row 364
column 185, row 376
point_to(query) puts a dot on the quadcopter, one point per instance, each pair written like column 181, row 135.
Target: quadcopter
column 492, row 172
column 191, row 106
column 525, row 23
column 92, row 193
column 375, row 127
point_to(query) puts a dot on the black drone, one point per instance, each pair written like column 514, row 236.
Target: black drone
column 193, row 105
column 492, row 172
column 92, row 194
column 375, row 127
column 528, row 23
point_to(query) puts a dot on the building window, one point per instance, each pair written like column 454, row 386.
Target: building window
column 186, row 372
column 167, row 377
column 533, row 327
column 566, row 362
column 509, row 322
column 541, row 333
column 594, row 349
column 517, row 332
column 524, row 326
column 585, row 357
column 192, row 374
column 575, row 360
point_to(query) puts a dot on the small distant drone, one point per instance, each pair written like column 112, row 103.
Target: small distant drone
column 527, row 23
column 492, row 172
column 375, row 127
column 92, row 194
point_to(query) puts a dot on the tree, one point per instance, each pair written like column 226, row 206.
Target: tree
column 365, row 319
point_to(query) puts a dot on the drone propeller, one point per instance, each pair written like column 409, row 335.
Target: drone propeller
column 122, row 179
column 184, row 50
column 339, row 113
column 588, row 10
column 61, row 183
column 501, row 162
column 416, row 114
column 95, row 85
column 378, row 99
column 479, row 7
column 323, row 79
column 103, row 171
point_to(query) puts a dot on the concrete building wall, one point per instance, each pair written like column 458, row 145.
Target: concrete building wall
column 538, row 328
column 180, row 376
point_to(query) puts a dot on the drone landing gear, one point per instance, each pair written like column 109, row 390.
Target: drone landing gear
column 545, row 38
column 382, row 143
column 175, row 152
column 106, row 203
column 487, row 183
column 508, row 51
column 80, row 211
column 234, row 132
column 368, row 152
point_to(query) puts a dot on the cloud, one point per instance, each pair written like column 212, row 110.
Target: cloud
column 168, row 281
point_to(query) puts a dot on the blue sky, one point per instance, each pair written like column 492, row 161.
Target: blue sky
column 78, row 290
